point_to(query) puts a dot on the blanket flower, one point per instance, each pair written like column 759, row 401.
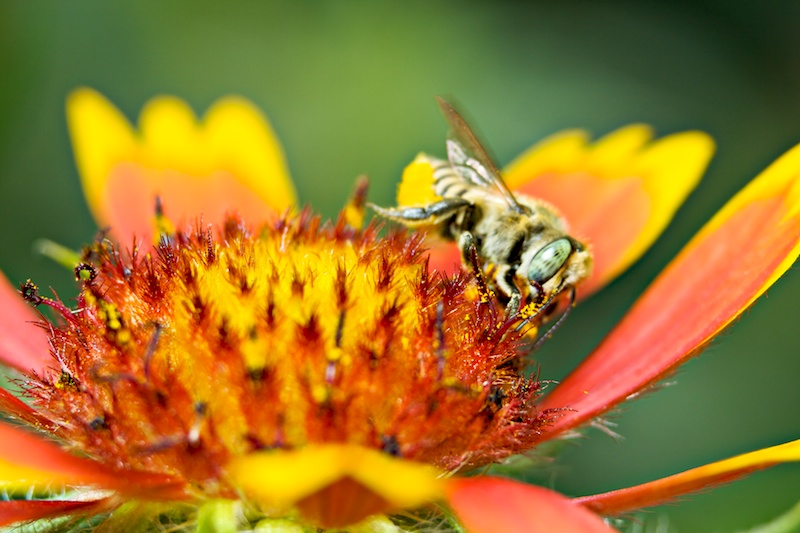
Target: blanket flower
column 232, row 363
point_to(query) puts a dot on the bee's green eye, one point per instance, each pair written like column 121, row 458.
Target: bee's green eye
column 549, row 260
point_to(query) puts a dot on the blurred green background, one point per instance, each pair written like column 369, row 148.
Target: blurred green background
column 349, row 88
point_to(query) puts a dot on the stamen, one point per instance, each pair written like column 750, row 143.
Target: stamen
column 193, row 436
column 210, row 254
column 440, row 353
column 84, row 272
column 99, row 377
column 164, row 227
column 152, row 346
column 390, row 445
column 30, row 293
column 179, row 361
column 353, row 213
column 339, row 330
column 486, row 294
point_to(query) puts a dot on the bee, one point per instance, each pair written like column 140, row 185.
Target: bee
column 520, row 241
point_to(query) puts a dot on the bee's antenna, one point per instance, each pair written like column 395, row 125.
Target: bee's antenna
column 549, row 333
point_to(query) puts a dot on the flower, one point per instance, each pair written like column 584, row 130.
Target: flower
column 263, row 369
column 223, row 163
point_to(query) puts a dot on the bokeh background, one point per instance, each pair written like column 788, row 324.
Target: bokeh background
column 349, row 88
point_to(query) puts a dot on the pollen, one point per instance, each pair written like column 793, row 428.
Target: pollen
column 222, row 342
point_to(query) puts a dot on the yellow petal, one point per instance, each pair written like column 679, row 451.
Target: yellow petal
column 241, row 137
column 668, row 488
column 101, row 138
column 559, row 153
column 618, row 193
column 737, row 255
column 613, row 154
column 283, row 479
column 779, row 184
column 170, row 137
column 671, row 168
column 230, row 162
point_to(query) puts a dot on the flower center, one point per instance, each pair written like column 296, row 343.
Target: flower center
column 218, row 346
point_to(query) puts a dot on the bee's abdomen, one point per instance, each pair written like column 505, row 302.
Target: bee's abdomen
column 446, row 181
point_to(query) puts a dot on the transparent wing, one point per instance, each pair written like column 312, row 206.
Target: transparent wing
column 469, row 158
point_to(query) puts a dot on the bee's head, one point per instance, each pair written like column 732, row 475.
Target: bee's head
column 562, row 261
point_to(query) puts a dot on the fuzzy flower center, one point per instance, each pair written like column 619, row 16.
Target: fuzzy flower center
column 224, row 343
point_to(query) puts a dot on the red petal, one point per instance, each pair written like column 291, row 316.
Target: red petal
column 24, row 510
column 731, row 262
column 29, row 460
column 13, row 406
column 23, row 345
column 495, row 505
column 444, row 257
column 668, row 488
column 131, row 193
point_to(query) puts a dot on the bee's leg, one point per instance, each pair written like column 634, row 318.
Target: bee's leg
column 512, row 309
column 506, row 279
column 537, row 292
column 469, row 255
column 423, row 215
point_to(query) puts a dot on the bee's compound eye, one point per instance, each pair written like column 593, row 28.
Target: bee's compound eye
column 549, row 260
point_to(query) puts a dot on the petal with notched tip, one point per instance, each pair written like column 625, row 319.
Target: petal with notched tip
column 230, row 162
column 740, row 253
column 618, row 193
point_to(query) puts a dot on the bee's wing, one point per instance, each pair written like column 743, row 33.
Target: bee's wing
column 469, row 158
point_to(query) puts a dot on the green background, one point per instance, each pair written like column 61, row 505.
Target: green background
column 349, row 88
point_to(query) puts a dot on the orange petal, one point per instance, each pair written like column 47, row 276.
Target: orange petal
column 230, row 162
column 668, row 488
column 619, row 193
column 29, row 461
column 335, row 485
column 494, row 505
column 752, row 241
column 23, row 345
column 23, row 510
